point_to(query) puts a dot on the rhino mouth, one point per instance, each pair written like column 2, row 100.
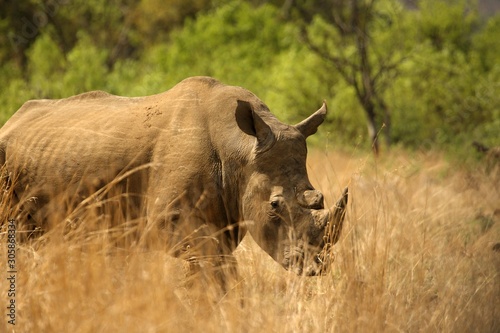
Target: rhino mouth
column 317, row 259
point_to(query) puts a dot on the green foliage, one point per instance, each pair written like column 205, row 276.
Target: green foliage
column 486, row 45
column 235, row 43
column 15, row 91
column 298, row 82
column 445, row 95
column 52, row 75
column 153, row 19
column 86, row 68
column 46, row 65
column 447, row 23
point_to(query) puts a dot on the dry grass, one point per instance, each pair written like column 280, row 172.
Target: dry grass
column 416, row 255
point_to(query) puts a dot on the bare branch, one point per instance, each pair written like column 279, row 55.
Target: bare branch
column 387, row 67
column 341, row 64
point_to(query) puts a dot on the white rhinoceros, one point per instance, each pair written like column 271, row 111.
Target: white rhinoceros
column 195, row 161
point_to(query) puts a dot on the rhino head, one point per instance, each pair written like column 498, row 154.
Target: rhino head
column 290, row 221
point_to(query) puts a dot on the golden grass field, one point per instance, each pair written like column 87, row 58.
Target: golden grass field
column 418, row 253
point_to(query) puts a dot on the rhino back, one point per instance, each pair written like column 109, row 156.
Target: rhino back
column 50, row 145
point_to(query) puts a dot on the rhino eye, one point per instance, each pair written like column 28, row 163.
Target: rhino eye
column 275, row 204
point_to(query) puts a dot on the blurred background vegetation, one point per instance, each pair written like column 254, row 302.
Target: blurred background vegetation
column 419, row 74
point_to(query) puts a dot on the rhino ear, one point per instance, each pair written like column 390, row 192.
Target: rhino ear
column 310, row 125
column 252, row 124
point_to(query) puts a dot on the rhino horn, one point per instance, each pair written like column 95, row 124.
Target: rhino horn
column 310, row 125
column 336, row 219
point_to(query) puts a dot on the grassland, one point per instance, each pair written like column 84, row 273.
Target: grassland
column 417, row 255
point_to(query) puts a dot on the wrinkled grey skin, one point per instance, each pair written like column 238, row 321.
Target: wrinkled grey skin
column 201, row 159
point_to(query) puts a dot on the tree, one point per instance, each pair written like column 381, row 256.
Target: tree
column 349, row 36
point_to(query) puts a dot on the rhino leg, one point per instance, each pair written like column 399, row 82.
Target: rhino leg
column 190, row 236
